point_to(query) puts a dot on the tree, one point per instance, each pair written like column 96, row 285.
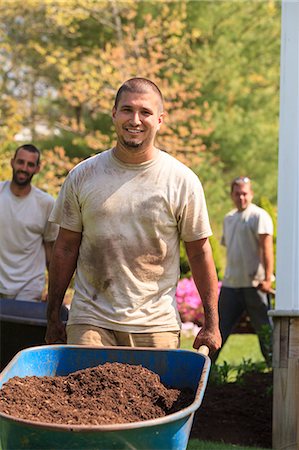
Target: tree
column 217, row 64
column 151, row 49
column 237, row 47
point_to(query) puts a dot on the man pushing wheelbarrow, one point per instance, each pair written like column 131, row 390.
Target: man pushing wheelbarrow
column 122, row 214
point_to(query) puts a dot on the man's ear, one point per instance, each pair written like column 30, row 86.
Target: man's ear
column 160, row 120
column 113, row 112
column 37, row 169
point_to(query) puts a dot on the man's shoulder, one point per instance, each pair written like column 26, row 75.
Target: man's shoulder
column 251, row 210
column 257, row 210
column 89, row 163
column 231, row 213
column 93, row 159
column 172, row 160
column 4, row 185
column 42, row 196
column 172, row 163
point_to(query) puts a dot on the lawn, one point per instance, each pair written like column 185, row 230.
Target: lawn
column 237, row 348
column 194, row 444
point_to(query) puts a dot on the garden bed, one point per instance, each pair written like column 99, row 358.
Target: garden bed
column 235, row 413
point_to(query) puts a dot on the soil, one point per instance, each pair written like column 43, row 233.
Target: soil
column 111, row 393
column 237, row 413
column 232, row 413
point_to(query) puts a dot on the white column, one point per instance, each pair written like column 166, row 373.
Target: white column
column 287, row 270
column 285, row 431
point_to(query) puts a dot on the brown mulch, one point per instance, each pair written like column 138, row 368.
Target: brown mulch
column 111, row 393
column 236, row 413
column 232, row 413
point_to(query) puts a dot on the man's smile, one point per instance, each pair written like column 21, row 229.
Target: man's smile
column 133, row 130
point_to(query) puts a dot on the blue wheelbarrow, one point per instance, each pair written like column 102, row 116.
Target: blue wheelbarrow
column 177, row 368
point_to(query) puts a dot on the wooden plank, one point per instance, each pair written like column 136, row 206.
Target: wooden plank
column 284, row 341
column 286, row 407
column 294, row 338
column 276, row 342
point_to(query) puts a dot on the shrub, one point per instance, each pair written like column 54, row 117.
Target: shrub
column 189, row 302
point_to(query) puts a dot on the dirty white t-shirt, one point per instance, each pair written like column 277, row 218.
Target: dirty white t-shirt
column 24, row 227
column 241, row 232
column 131, row 218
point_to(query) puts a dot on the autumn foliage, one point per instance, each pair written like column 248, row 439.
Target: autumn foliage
column 217, row 64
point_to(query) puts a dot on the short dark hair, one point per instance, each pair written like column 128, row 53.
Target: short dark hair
column 140, row 86
column 29, row 148
column 240, row 180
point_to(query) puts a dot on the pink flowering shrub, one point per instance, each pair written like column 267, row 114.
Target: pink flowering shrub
column 189, row 302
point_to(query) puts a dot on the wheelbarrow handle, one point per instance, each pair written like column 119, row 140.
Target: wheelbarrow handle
column 204, row 350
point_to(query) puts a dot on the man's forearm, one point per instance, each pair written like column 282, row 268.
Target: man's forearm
column 205, row 278
column 62, row 267
column 60, row 275
column 269, row 267
column 48, row 251
column 266, row 244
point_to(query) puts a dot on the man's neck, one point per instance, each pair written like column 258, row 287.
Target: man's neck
column 20, row 191
column 133, row 156
column 244, row 209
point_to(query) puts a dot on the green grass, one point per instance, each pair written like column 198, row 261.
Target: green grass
column 237, row 348
column 195, row 444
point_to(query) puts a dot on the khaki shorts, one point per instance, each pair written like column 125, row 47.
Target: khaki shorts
column 95, row 336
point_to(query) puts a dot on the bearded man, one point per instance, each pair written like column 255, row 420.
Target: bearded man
column 26, row 236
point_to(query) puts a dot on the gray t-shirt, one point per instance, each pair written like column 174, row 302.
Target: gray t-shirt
column 24, row 227
column 131, row 218
column 241, row 232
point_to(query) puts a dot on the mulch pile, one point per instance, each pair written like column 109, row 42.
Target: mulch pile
column 111, row 393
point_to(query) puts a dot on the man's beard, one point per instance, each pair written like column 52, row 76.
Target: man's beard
column 132, row 144
column 23, row 182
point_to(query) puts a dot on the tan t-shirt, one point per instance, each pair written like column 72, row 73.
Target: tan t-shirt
column 131, row 218
column 241, row 232
column 24, row 227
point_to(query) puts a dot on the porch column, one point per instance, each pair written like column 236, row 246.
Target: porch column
column 286, row 314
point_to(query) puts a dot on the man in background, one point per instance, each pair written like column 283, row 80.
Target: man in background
column 121, row 215
column 26, row 236
column 248, row 238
